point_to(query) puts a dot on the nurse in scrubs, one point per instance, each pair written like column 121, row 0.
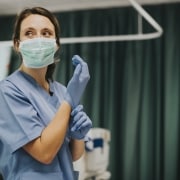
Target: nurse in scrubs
column 42, row 125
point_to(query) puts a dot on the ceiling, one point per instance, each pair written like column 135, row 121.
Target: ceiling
column 11, row 7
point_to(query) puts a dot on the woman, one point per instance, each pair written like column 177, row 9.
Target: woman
column 42, row 125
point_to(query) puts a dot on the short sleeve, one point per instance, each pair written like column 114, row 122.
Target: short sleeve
column 19, row 121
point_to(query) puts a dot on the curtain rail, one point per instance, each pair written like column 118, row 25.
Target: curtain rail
column 128, row 37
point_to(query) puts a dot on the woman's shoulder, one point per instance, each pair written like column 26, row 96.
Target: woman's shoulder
column 9, row 79
column 12, row 83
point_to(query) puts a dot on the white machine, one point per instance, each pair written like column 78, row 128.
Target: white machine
column 94, row 163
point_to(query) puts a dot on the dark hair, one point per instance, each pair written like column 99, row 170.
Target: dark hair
column 44, row 12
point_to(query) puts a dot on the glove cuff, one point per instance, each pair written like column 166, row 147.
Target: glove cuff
column 69, row 100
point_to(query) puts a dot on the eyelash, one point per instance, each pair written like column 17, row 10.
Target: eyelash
column 44, row 33
column 28, row 33
column 47, row 32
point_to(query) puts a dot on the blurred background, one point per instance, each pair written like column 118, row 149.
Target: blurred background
column 134, row 90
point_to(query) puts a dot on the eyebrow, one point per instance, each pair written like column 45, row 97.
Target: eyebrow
column 28, row 28
column 44, row 29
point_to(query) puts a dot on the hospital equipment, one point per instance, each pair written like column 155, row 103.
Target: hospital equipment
column 95, row 161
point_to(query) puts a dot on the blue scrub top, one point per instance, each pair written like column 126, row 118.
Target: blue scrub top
column 25, row 110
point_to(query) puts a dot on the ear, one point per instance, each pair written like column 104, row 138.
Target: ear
column 16, row 45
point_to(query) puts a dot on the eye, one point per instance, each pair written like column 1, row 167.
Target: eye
column 29, row 34
column 47, row 33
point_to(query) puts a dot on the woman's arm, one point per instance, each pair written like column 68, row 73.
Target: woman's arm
column 45, row 147
column 79, row 126
column 77, row 148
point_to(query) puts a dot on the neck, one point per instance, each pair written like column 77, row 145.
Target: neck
column 38, row 74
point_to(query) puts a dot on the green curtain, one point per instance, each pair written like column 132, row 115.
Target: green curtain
column 134, row 89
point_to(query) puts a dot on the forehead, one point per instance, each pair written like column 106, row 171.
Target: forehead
column 37, row 22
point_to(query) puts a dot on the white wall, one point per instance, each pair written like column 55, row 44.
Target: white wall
column 5, row 54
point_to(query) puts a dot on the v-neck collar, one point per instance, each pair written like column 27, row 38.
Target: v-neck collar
column 37, row 85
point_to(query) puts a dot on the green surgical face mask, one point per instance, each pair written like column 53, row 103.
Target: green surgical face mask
column 38, row 52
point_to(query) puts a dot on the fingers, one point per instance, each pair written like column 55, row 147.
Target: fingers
column 76, row 110
column 78, row 70
column 78, row 124
column 85, row 76
column 85, row 125
column 79, row 118
column 82, row 72
column 81, row 121
column 77, row 60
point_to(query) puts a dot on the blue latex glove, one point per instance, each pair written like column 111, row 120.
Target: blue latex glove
column 78, row 82
column 80, row 123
